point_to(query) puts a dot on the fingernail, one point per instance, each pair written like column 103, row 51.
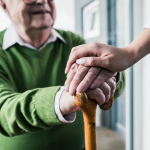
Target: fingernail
column 80, row 61
column 66, row 70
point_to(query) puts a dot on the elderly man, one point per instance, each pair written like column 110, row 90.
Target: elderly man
column 35, row 111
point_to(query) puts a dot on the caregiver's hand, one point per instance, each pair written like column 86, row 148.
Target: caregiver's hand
column 109, row 57
column 102, row 55
column 80, row 78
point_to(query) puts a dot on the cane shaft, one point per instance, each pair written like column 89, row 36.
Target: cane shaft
column 90, row 136
column 88, row 108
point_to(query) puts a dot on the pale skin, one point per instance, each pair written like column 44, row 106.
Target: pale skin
column 106, row 56
column 34, row 24
column 101, row 95
column 109, row 57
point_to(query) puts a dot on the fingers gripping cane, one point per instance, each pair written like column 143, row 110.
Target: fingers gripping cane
column 88, row 108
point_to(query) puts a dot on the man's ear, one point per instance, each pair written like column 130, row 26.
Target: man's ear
column 3, row 5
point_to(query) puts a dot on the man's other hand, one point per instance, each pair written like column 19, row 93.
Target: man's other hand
column 104, row 93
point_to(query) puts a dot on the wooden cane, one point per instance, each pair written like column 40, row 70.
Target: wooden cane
column 88, row 108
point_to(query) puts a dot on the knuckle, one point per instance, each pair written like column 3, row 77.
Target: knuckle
column 99, row 78
column 74, row 49
column 74, row 82
column 106, row 73
column 108, row 95
column 82, row 69
column 94, row 85
column 100, row 93
column 93, row 72
column 74, row 66
column 106, row 90
column 91, row 61
column 101, row 99
column 86, row 81
column 96, row 44
column 82, row 86
column 98, row 96
column 111, row 83
column 108, row 63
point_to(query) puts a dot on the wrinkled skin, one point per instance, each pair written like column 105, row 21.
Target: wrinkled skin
column 80, row 77
column 32, row 22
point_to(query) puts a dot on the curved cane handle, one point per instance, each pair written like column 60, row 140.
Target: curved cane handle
column 87, row 106
column 81, row 101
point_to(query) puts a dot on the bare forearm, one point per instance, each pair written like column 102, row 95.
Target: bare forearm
column 110, row 57
column 140, row 47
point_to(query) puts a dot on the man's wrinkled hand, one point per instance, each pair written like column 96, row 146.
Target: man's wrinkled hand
column 80, row 78
column 104, row 93
column 101, row 95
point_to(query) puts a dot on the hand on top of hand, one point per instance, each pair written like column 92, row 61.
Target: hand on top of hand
column 98, row 83
column 80, row 78
column 101, row 55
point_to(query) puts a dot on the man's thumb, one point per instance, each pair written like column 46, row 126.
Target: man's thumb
column 91, row 61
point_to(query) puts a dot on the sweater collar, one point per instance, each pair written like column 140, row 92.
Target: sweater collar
column 11, row 37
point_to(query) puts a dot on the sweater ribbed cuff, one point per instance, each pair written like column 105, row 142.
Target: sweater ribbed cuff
column 44, row 105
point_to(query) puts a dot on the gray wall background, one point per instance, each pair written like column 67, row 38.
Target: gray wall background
column 79, row 4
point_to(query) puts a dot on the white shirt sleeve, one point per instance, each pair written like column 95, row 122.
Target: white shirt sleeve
column 147, row 26
column 69, row 118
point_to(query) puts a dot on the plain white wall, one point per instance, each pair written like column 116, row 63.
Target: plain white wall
column 146, row 83
column 65, row 18
column 141, row 82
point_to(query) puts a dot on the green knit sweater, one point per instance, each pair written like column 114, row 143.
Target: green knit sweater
column 29, row 80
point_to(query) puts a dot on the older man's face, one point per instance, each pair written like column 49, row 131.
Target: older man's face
column 39, row 15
